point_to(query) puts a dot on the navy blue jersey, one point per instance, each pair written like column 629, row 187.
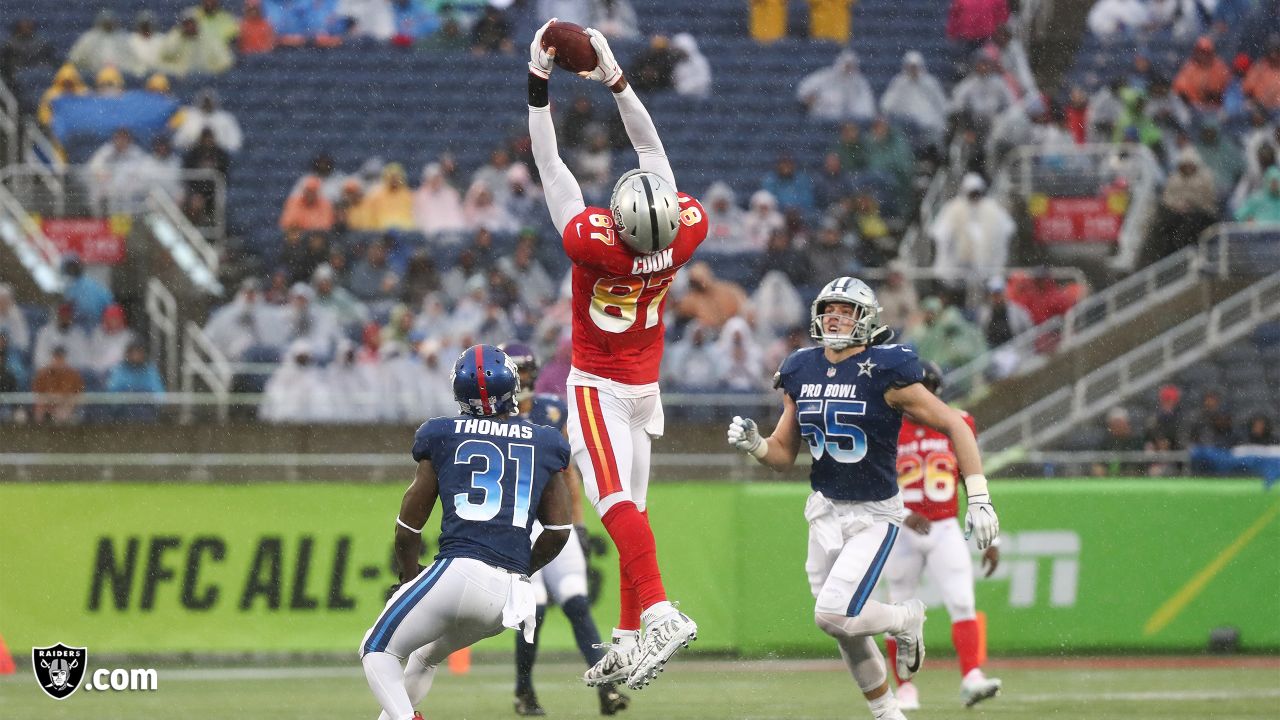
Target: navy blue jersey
column 851, row 431
column 549, row 410
column 492, row 474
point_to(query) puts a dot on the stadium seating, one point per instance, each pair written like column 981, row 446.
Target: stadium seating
column 362, row 100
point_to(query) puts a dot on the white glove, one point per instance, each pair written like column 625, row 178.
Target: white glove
column 980, row 520
column 607, row 70
column 540, row 61
column 744, row 435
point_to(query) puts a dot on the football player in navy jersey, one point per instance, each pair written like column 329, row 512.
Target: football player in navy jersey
column 493, row 473
column 564, row 579
column 846, row 400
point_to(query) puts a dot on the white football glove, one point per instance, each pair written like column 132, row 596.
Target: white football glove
column 540, row 61
column 980, row 520
column 744, row 435
column 607, row 70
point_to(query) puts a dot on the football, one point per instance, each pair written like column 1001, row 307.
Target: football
column 573, row 46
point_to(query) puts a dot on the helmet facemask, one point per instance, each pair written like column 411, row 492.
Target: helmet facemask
column 857, row 323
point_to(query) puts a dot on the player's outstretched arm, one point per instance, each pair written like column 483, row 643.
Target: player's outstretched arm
column 557, row 519
column 635, row 118
column 925, row 407
column 778, row 451
column 564, row 196
column 415, row 509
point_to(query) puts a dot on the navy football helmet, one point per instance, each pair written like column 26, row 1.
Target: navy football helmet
column 485, row 381
column 526, row 364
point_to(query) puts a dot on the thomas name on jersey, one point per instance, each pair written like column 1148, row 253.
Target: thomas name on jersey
column 479, row 426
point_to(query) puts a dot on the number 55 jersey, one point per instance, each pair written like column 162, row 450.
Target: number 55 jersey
column 852, row 433
column 618, row 294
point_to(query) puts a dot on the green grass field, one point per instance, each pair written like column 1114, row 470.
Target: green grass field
column 1102, row 690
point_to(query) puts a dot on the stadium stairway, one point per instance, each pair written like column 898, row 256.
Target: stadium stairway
column 1177, row 353
column 1135, row 311
column 360, row 100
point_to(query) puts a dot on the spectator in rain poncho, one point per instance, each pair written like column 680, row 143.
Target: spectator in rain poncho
column 761, row 219
column 983, row 94
column 163, row 168
column 398, row 378
column 135, row 373
column 972, row 232
column 916, row 96
column 433, row 388
column 777, row 305
column 66, row 81
column 12, row 322
column 216, row 22
column 693, row 72
column 740, row 367
column 1203, row 78
column 725, row 227
column 899, row 302
column 257, row 35
column 297, row 392
column 1263, row 207
column 61, row 331
column 344, row 307
column 206, row 113
column 105, row 44
column 144, row 43
column 691, row 362
column 238, row 326
column 353, row 386
column 1109, row 19
column 116, row 173
column 369, row 18
column 574, row 11
column 302, row 319
column 1188, row 205
column 187, row 50
column 1220, row 154
column 523, row 200
column 944, row 336
column 108, row 341
column 838, row 92
column 480, row 211
column 432, row 322
column 390, row 203
column 536, row 287
column 437, row 206
column 614, row 19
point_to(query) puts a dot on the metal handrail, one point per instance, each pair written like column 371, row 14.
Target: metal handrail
column 10, row 128
column 8, row 102
column 162, row 310
column 202, row 358
column 188, row 248
column 50, row 174
column 35, row 252
column 1137, row 370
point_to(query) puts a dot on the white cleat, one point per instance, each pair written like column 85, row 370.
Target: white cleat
column 617, row 664
column 976, row 687
column 908, row 696
column 911, row 640
column 674, row 631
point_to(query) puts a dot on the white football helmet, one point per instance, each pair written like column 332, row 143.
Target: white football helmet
column 866, row 318
column 646, row 211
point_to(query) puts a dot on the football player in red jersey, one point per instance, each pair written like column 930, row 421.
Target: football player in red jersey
column 928, row 474
column 624, row 259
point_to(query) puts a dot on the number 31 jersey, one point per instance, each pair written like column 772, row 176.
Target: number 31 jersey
column 928, row 471
column 491, row 474
column 852, row 433
column 618, row 294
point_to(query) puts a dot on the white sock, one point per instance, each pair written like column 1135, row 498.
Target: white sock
column 386, row 680
column 656, row 612
column 974, row 675
column 884, row 706
column 625, row 639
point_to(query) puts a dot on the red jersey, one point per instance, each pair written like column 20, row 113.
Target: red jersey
column 928, row 472
column 618, row 294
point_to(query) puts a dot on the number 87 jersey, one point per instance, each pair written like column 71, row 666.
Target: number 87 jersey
column 851, row 430
column 618, row 294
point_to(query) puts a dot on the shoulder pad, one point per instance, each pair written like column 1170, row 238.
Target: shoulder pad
column 791, row 363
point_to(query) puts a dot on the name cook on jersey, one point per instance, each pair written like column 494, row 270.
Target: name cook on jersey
column 491, row 427
column 823, row 390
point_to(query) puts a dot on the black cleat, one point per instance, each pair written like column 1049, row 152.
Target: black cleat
column 527, row 705
column 611, row 701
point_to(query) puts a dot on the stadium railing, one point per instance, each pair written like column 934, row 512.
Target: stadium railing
column 63, row 190
column 9, row 124
column 1139, row 369
column 35, row 252
column 189, row 249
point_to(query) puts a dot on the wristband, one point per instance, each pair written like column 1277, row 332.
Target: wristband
column 537, row 91
column 402, row 524
column 759, row 451
column 976, row 485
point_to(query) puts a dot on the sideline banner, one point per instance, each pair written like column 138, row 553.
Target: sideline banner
column 1089, row 566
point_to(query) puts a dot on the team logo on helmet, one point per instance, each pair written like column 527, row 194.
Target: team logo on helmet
column 59, row 669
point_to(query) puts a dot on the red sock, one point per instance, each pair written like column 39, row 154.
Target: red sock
column 629, row 613
column 891, row 649
column 964, row 635
column 637, row 552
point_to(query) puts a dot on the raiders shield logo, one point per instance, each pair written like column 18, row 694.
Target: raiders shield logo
column 59, row 669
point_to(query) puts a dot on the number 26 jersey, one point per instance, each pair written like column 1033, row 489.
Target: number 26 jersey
column 851, row 432
column 618, row 294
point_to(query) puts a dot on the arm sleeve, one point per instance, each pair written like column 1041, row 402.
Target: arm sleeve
column 564, row 197
column 643, row 134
